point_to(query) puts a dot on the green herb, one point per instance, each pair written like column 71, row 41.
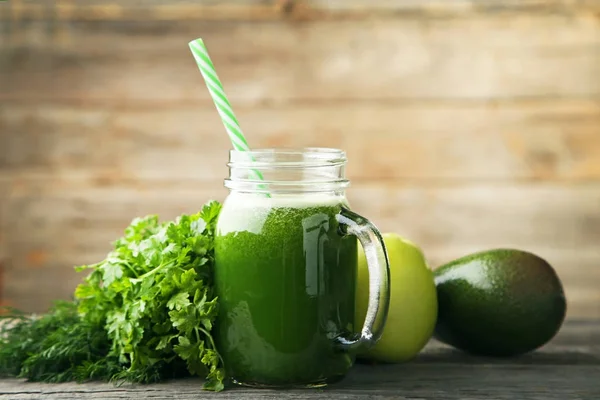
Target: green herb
column 54, row 347
column 144, row 314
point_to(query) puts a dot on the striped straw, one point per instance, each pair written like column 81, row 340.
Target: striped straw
column 215, row 88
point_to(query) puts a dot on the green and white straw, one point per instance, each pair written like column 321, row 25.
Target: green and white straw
column 217, row 93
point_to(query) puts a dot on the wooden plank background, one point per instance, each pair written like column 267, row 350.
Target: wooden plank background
column 468, row 124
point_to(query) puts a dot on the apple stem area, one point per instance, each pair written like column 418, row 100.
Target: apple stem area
column 566, row 368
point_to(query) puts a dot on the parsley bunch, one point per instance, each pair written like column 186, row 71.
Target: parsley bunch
column 144, row 314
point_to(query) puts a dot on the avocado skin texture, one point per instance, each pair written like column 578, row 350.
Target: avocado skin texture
column 501, row 302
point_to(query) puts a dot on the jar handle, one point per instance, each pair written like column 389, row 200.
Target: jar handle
column 379, row 279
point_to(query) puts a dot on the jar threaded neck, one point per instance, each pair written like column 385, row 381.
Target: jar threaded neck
column 287, row 170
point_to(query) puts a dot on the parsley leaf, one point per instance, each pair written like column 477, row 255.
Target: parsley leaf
column 144, row 314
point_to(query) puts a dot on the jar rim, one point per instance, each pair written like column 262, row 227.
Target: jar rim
column 287, row 170
column 287, row 157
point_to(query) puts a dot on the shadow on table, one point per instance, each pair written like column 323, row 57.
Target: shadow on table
column 557, row 355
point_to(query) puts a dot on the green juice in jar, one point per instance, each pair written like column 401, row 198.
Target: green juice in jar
column 285, row 270
column 285, row 278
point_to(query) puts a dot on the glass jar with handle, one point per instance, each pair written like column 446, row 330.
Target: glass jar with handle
column 285, row 270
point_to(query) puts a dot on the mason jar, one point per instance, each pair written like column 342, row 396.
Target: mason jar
column 286, row 268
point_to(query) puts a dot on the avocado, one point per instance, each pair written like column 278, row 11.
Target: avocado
column 500, row 302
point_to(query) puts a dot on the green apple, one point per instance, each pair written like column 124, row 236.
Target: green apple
column 413, row 302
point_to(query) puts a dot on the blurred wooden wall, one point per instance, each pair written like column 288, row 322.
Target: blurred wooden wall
column 469, row 124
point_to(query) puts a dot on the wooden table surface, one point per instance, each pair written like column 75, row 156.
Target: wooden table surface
column 567, row 368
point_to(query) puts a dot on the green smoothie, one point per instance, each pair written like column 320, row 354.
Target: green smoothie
column 285, row 278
